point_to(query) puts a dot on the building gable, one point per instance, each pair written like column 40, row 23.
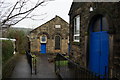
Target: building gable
column 57, row 20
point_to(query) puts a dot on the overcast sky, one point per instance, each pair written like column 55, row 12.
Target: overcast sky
column 53, row 8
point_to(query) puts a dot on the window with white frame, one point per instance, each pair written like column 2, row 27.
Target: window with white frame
column 43, row 39
column 57, row 26
column 76, row 36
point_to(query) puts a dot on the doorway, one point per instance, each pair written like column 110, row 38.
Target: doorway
column 43, row 48
column 99, row 46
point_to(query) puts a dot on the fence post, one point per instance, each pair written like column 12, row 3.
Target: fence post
column 35, row 67
column 34, row 64
column 55, row 64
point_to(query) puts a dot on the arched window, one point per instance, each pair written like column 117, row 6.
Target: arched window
column 43, row 39
column 57, row 42
column 100, row 24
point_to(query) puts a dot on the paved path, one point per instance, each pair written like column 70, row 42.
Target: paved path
column 44, row 68
column 22, row 68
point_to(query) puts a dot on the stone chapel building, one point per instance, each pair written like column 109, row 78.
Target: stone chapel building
column 95, row 36
column 51, row 37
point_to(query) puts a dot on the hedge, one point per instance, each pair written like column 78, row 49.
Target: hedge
column 7, row 50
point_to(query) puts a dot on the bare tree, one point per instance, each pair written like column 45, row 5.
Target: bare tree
column 11, row 14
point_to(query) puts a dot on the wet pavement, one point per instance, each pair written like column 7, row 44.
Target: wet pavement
column 44, row 68
column 22, row 68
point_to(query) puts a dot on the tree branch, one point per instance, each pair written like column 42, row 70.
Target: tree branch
column 14, row 14
column 12, row 9
column 8, row 18
column 21, row 19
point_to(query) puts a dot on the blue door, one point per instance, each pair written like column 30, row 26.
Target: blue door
column 104, row 53
column 99, row 48
column 43, row 48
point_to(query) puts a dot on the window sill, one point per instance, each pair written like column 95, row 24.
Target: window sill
column 76, row 43
column 57, row 49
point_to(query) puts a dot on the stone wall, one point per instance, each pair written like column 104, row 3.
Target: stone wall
column 50, row 31
column 116, row 42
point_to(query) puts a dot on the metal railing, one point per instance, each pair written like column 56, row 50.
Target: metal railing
column 32, row 62
column 66, row 68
